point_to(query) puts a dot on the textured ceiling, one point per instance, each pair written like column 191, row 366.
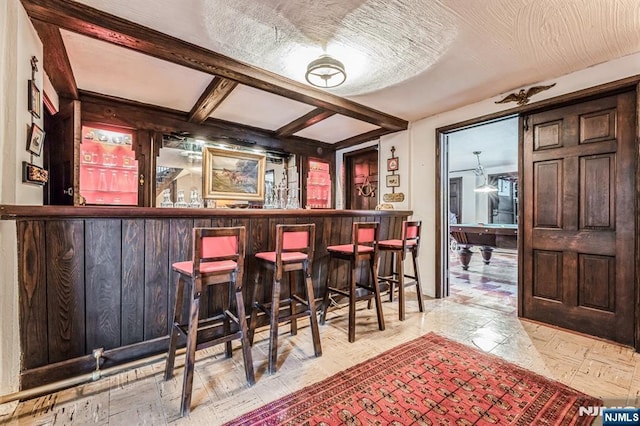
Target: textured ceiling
column 408, row 58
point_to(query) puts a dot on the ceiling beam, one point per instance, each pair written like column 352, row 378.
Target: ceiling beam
column 56, row 62
column 137, row 115
column 358, row 139
column 211, row 98
column 85, row 20
column 309, row 119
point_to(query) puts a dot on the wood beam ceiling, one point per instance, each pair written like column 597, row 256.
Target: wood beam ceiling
column 211, row 98
column 91, row 22
column 358, row 139
column 309, row 119
column 127, row 113
column 56, row 62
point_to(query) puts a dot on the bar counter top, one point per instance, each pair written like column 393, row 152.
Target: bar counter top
column 12, row 212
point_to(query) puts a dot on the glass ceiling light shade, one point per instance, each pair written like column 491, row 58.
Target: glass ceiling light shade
column 479, row 171
column 326, row 72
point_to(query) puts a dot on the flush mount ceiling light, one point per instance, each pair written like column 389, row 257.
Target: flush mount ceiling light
column 326, row 72
column 479, row 171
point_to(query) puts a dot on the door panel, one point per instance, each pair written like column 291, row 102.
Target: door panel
column 579, row 220
column 548, row 194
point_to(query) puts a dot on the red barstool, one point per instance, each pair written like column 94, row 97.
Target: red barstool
column 294, row 252
column 364, row 247
column 218, row 258
column 409, row 242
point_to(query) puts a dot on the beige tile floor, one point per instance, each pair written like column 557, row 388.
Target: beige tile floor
column 141, row 396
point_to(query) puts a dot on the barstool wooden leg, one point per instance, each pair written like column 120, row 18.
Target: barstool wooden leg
column 352, row 302
column 400, row 269
column 417, row 278
column 311, row 304
column 392, row 275
column 325, row 300
column 253, row 321
column 292, row 302
column 228, row 352
column 246, row 344
column 273, row 333
column 173, row 340
column 373, row 263
column 190, row 356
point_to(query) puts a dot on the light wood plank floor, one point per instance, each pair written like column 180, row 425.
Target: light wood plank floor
column 141, row 396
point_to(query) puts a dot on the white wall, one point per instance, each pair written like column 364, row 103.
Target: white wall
column 402, row 145
column 18, row 43
column 423, row 146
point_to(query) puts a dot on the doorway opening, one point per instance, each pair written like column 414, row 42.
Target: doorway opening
column 481, row 166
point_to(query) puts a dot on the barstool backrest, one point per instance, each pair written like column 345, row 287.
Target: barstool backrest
column 365, row 234
column 298, row 238
column 218, row 244
column 411, row 234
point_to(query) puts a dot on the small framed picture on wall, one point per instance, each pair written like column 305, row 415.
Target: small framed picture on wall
column 393, row 181
column 35, row 100
column 392, row 164
column 35, row 141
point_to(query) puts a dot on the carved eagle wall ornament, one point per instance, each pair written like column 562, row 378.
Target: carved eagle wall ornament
column 522, row 97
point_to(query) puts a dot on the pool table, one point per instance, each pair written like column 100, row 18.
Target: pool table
column 487, row 236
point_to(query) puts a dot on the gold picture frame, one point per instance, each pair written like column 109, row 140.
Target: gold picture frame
column 232, row 175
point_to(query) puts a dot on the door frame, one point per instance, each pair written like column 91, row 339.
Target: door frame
column 347, row 159
column 442, row 198
column 442, row 182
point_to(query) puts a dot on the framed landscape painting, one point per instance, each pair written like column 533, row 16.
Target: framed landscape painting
column 232, row 175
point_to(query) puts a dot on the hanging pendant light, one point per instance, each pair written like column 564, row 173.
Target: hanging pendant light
column 479, row 171
column 326, row 72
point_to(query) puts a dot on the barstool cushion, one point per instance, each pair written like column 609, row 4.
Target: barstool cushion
column 291, row 256
column 186, row 267
column 348, row 248
column 395, row 244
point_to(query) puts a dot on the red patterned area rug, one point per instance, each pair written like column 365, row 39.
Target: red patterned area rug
column 430, row 380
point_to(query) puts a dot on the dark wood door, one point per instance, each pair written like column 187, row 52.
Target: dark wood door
column 63, row 130
column 579, row 217
column 362, row 180
column 455, row 200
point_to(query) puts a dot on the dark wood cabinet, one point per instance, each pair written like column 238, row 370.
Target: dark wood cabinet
column 95, row 163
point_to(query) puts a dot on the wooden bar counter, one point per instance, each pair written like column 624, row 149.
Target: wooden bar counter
column 100, row 277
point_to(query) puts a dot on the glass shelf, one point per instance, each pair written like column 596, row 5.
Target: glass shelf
column 108, row 167
column 318, row 185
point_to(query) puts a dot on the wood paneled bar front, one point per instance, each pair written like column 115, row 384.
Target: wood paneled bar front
column 100, row 277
